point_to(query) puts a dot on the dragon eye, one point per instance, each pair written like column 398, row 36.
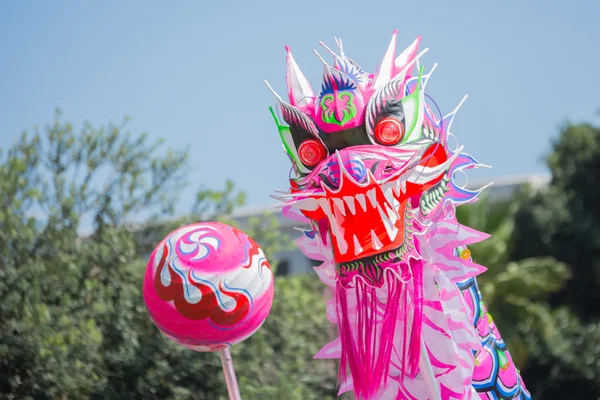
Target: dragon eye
column 311, row 152
column 389, row 131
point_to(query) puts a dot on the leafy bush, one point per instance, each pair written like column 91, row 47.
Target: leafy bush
column 72, row 319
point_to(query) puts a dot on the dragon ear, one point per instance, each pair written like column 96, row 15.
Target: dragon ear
column 293, row 116
column 302, row 130
column 413, row 106
column 392, row 91
column 299, row 89
column 288, row 145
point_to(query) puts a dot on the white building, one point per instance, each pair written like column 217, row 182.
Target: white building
column 294, row 262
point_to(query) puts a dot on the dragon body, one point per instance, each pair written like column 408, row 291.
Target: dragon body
column 373, row 178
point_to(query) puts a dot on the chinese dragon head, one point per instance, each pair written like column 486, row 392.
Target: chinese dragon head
column 373, row 176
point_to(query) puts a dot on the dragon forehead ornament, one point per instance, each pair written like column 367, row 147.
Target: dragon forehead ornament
column 373, row 176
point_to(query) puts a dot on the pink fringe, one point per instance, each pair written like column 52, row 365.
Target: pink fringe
column 368, row 342
column 414, row 351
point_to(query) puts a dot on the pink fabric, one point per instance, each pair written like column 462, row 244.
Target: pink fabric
column 397, row 297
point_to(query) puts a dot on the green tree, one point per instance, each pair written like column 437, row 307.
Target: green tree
column 516, row 292
column 295, row 331
column 72, row 319
column 563, row 221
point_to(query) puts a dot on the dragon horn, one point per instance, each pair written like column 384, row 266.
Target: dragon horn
column 299, row 89
column 386, row 68
column 340, row 45
column 335, row 56
column 407, row 56
column 321, row 59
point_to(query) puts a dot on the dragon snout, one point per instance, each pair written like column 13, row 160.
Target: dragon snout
column 351, row 164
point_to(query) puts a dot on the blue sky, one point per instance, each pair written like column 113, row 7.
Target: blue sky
column 192, row 71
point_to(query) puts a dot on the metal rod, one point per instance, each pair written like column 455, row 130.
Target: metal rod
column 428, row 375
column 229, row 372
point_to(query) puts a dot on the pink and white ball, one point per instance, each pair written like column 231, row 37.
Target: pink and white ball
column 208, row 286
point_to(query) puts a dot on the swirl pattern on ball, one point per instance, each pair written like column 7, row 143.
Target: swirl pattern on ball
column 208, row 285
column 198, row 244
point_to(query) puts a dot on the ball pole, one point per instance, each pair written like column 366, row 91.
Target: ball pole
column 229, row 372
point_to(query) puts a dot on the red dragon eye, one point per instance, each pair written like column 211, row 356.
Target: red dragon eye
column 389, row 131
column 311, row 152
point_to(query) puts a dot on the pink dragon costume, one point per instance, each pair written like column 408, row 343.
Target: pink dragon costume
column 373, row 177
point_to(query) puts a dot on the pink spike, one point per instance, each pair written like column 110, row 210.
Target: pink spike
column 385, row 70
column 406, row 57
column 326, row 272
column 346, row 386
column 332, row 349
column 299, row 89
column 440, row 368
column 448, row 394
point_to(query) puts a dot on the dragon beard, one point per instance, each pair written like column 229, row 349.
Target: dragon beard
column 385, row 317
column 386, row 288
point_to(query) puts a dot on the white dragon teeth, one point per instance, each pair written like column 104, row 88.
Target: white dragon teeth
column 335, row 229
column 307, row 204
column 390, row 228
column 371, row 194
column 375, row 241
column 388, row 192
column 339, row 203
column 399, row 185
column 392, row 213
column 362, row 201
column 325, row 206
column 402, row 185
column 396, row 187
column 350, row 203
column 342, row 245
column 357, row 247
column 388, row 209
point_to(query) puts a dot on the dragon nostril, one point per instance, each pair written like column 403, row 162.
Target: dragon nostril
column 356, row 169
column 352, row 164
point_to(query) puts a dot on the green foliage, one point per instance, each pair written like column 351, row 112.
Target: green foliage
column 277, row 362
column 496, row 219
column 562, row 222
column 543, row 278
column 515, row 292
column 57, row 291
column 72, row 319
